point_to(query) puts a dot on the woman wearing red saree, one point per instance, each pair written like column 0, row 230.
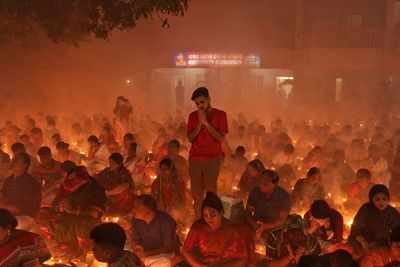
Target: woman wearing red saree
column 17, row 247
column 168, row 188
column 216, row 241
column 76, row 209
column 119, row 186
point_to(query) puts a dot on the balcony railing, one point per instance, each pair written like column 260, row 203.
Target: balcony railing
column 344, row 38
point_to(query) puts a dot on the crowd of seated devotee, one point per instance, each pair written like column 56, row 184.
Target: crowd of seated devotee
column 199, row 193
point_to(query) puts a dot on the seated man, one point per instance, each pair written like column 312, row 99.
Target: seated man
column 18, row 148
column 308, row 189
column 48, row 173
column 153, row 233
column 108, row 246
column 325, row 224
column 288, row 243
column 268, row 205
column 21, row 193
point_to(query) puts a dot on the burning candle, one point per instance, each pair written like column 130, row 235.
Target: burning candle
column 349, row 223
column 260, row 249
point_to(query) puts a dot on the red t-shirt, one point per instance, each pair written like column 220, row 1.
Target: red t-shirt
column 205, row 146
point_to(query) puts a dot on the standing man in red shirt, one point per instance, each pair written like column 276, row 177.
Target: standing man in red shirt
column 206, row 129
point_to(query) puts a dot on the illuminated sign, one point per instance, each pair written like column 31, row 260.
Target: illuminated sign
column 206, row 59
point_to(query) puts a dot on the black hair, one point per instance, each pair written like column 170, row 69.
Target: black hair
column 117, row 158
column 320, row 209
column 175, row 143
column 129, row 136
column 201, row 91
column 313, row 171
column 18, row 147
column 67, row 166
column 376, row 189
column 109, row 235
column 7, row 219
column 148, row 201
column 212, row 201
column 240, row 149
column 94, row 139
column 395, row 234
column 364, row 173
column 26, row 159
column 270, row 175
column 44, row 150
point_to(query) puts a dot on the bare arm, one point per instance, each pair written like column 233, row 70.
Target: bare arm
column 214, row 133
column 191, row 136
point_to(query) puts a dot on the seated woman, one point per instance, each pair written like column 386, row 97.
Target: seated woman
column 170, row 192
column 250, row 178
column 119, row 186
column 76, row 209
column 384, row 254
column 18, row 247
column 132, row 157
column 98, row 154
column 359, row 190
column 325, row 224
column 168, row 189
column 215, row 241
column 374, row 220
